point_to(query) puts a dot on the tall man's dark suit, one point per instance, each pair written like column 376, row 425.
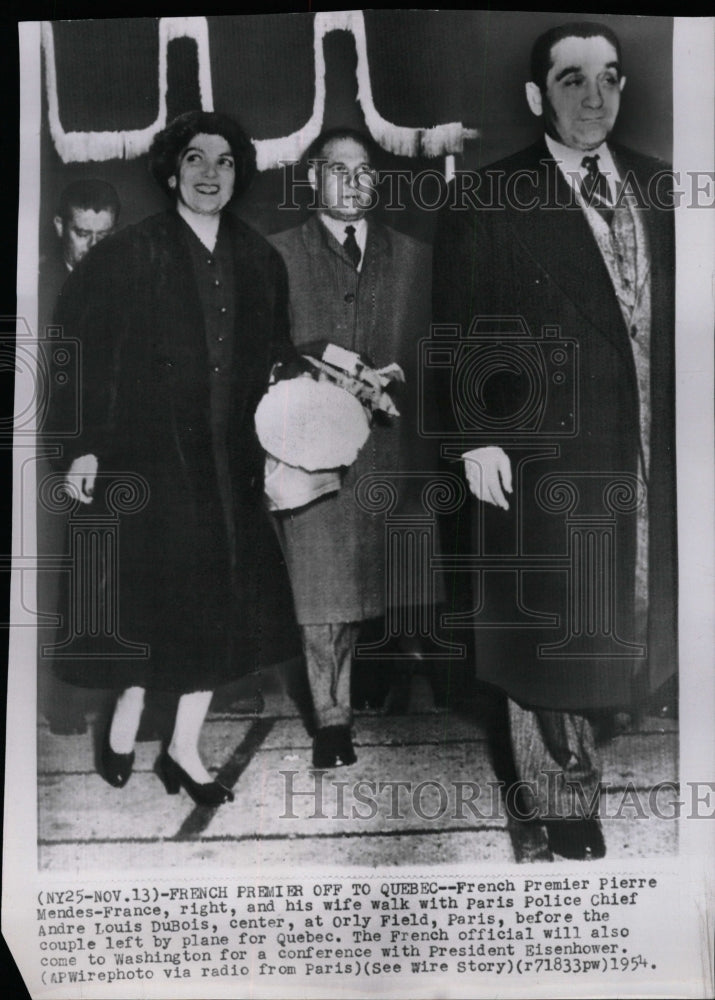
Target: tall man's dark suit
column 578, row 481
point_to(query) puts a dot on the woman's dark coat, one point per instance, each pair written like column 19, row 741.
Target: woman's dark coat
column 207, row 610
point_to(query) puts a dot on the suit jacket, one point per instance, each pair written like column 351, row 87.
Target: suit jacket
column 335, row 548
column 532, row 255
column 208, row 610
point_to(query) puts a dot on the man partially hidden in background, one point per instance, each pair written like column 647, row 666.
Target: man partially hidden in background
column 87, row 212
column 590, row 484
column 362, row 286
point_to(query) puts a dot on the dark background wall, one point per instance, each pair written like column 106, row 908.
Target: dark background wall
column 426, row 68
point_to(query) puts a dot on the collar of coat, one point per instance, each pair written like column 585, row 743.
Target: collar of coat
column 537, row 159
column 559, row 239
column 169, row 224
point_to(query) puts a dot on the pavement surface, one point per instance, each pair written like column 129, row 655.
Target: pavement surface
column 424, row 790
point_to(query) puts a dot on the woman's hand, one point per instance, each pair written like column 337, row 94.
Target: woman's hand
column 489, row 475
column 79, row 481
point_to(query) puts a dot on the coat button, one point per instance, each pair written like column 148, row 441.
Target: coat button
column 350, row 297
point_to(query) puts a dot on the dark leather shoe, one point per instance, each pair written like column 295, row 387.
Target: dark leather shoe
column 581, row 839
column 116, row 767
column 333, row 747
column 664, row 703
column 73, row 725
column 208, row 793
column 529, row 841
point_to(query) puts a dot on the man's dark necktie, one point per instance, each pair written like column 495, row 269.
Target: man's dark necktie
column 595, row 190
column 351, row 247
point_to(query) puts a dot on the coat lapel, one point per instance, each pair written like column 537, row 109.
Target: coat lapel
column 376, row 247
column 375, row 290
column 253, row 320
column 560, row 239
column 319, row 240
column 173, row 271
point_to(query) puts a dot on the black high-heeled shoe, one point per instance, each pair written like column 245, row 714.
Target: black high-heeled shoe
column 209, row 793
column 581, row 839
column 116, row 767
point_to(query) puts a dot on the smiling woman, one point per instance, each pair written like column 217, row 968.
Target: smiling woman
column 206, row 177
column 180, row 319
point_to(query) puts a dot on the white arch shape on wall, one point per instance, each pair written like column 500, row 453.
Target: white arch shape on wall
column 81, row 147
column 440, row 140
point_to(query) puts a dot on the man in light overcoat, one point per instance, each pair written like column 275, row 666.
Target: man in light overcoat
column 365, row 287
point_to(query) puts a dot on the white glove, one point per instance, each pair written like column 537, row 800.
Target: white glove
column 489, row 474
column 79, row 481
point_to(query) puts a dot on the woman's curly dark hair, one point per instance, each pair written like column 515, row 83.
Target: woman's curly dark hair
column 168, row 145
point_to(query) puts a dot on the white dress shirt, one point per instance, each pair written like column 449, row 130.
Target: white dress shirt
column 338, row 226
column 569, row 163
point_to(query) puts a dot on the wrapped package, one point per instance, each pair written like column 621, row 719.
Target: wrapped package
column 311, row 424
column 314, row 423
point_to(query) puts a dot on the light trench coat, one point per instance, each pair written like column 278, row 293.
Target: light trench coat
column 335, row 549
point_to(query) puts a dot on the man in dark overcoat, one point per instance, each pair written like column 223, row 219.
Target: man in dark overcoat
column 87, row 213
column 560, row 276
column 364, row 287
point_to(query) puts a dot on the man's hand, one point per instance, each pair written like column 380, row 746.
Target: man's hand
column 79, row 481
column 488, row 474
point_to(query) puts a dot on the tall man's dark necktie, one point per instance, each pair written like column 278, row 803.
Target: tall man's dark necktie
column 595, row 190
column 351, row 247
